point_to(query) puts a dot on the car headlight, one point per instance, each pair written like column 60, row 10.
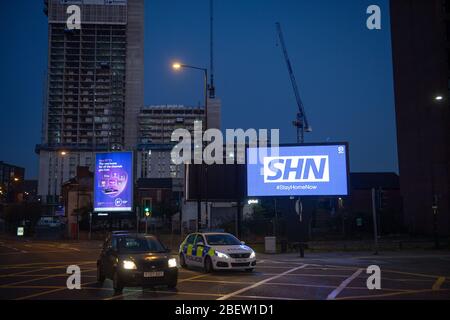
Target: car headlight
column 252, row 255
column 172, row 263
column 129, row 265
column 222, row 255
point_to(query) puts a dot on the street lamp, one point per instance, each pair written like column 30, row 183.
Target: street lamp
column 178, row 66
column 435, row 194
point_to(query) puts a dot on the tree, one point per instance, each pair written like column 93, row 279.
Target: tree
column 17, row 213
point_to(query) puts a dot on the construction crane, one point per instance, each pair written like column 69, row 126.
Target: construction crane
column 301, row 122
column 212, row 89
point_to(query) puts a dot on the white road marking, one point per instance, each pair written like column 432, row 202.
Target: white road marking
column 137, row 291
column 238, row 292
column 50, row 291
column 344, row 284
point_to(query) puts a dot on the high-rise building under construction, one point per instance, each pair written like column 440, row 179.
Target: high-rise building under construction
column 94, row 88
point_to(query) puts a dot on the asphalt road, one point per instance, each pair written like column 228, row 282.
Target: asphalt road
column 37, row 270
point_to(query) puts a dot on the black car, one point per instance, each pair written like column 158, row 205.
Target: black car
column 132, row 260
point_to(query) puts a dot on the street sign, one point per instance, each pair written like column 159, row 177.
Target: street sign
column 20, row 231
column 359, row 222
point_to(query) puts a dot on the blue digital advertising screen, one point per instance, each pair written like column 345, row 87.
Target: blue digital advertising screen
column 113, row 182
column 306, row 170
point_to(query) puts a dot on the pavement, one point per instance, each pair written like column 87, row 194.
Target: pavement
column 31, row 269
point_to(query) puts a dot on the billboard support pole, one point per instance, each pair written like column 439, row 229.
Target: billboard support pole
column 146, row 224
column 199, row 214
column 137, row 219
column 199, row 199
column 275, row 225
column 374, row 212
column 90, row 225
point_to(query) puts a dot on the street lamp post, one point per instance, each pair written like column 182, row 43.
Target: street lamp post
column 178, row 66
column 435, row 193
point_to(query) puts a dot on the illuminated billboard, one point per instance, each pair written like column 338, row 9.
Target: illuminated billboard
column 113, row 182
column 306, row 170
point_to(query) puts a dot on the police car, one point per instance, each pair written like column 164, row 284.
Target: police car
column 216, row 251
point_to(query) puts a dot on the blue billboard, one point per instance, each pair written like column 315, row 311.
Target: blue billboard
column 306, row 170
column 113, row 182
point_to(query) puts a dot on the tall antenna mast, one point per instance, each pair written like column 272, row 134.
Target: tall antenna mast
column 212, row 89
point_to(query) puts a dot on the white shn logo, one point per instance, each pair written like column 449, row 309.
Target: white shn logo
column 296, row 169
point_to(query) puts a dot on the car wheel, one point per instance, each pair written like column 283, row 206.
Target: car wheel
column 182, row 261
column 172, row 284
column 100, row 274
column 117, row 283
column 249, row 270
column 208, row 267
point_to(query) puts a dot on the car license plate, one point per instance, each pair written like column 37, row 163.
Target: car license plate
column 240, row 260
column 155, row 274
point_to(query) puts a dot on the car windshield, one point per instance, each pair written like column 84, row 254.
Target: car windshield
column 136, row 245
column 222, row 240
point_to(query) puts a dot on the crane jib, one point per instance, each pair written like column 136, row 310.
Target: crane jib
column 301, row 122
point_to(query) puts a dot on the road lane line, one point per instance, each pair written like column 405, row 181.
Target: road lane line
column 46, row 268
column 235, row 293
column 377, row 296
column 28, row 265
column 38, row 279
column 344, row 284
column 287, row 284
column 185, row 293
column 266, row 298
column 274, row 267
column 50, row 291
column 437, row 285
column 134, row 292
column 423, row 275
column 35, row 252
column 49, row 275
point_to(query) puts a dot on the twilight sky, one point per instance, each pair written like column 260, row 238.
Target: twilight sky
column 344, row 71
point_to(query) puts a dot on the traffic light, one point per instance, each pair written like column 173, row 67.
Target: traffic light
column 147, row 206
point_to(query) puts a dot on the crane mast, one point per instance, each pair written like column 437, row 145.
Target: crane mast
column 301, row 121
column 212, row 89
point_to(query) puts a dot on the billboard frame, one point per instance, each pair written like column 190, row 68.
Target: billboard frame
column 118, row 210
column 281, row 145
